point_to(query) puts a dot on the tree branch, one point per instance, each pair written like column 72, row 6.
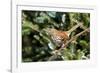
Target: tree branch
column 75, row 27
column 76, row 36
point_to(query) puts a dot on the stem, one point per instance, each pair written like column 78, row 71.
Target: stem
column 75, row 27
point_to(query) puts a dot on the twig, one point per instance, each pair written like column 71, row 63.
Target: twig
column 76, row 36
column 81, row 26
column 75, row 27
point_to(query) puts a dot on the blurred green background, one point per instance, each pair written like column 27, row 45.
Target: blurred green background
column 37, row 45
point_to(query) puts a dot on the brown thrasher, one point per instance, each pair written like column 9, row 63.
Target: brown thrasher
column 59, row 37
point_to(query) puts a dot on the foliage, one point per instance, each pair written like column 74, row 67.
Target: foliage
column 37, row 44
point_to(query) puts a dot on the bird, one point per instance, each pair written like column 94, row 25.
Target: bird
column 60, row 37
